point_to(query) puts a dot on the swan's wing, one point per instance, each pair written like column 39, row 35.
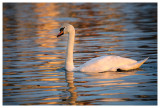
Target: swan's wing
column 105, row 63
column 132, row 66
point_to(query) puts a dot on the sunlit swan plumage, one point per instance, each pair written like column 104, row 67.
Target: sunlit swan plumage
column 98, row 64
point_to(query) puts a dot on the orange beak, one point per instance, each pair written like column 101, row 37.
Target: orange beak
column 60, row 34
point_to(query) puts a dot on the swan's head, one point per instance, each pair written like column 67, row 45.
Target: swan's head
column 65, row 29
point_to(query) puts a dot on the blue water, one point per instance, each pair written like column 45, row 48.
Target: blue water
column 33, row 58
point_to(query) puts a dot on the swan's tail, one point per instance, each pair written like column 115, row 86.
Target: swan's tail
column 142, row 61
column 134, row 65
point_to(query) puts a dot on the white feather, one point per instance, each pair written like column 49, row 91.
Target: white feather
column 99, row 64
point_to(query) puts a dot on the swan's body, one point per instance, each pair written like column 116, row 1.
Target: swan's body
column 99, row 64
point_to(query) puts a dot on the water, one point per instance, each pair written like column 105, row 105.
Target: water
column 33, row 58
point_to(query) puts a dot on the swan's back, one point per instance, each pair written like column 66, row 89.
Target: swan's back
column 105, row 63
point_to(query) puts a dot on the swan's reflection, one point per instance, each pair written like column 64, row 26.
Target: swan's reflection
column 111, row 79
column 110, row 75
column 71, row 95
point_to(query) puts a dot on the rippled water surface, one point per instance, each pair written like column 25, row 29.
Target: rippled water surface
column 33, row 58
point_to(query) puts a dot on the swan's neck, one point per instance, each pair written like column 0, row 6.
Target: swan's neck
column 69, row 52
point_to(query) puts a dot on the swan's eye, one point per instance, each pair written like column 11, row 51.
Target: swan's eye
column 61, row 32
column 61, row 29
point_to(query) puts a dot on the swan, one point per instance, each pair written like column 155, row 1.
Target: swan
column 98, row 64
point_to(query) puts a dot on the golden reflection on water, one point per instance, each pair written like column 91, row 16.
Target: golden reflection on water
column 40, row 33
column 70, row 95
column 45, row 24
column 70, row 80
column 46, row 39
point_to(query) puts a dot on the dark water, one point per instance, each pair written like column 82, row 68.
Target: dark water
column 33, row 58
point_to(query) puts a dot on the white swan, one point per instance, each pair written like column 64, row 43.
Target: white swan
column 99, row 64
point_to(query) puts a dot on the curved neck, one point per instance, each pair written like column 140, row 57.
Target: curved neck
column 69, row 52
